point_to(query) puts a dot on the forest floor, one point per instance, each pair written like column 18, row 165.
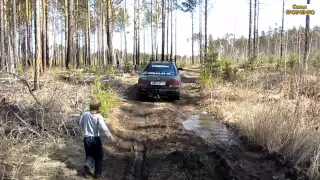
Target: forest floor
column 155, row 139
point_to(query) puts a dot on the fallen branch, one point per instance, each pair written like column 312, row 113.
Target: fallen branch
column 3, row 69
column 170, row 109
column 54, row 93
column 31, row 91
column 8, row 78
column 63, row 125
column 25, row 82
column 24, row 122
column 13, row 163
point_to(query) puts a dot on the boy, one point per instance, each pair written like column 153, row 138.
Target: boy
column 90, row 122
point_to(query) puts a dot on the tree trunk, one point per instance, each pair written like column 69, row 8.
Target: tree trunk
column 62, row 53
column 70, row 34
column 109, row 32
column 99, row 59
column 205, row 29
column 134, row 62
column 268, row 48
column 54, row 39
column 43, row 37
column 10, row 53
column 144, row 40
column 85, row 48
column 66, row 31
column 171, row 32
column 163, row 29
column 151, row 24
column 255, row 30
column 121, row 49
column 48, row 61
column 156, row 30
column 88, row 38
column 27, row 31
column 175, row 34
column 6, row 43
column 95, row 47
column 192, row 39
column 200, row 31
column 30, row 42
column 14, row 39
column 168, row 16
column 286, row 52
column 102, row 38
column 77, row 50
column 138, row 35
column 37, row 45
column 125, row 33
column 250, row 28
column 2, row 30
column 282, row 26
column 299, row 47
column 306, row 42
column 77, row 37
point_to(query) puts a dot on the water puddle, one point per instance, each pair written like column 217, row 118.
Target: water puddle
column 210, row 129
column 236, row 160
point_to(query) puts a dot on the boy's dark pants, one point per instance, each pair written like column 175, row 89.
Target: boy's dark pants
column 93, row 147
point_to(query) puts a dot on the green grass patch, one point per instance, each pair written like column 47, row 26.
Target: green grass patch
column 206, row 78
column 106, row 94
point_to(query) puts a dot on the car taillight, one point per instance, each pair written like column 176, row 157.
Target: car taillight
column 142, row 81
column 175, row 83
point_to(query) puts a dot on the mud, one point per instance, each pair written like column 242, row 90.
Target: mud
column 161, row 140
column 238, row 158
column 210, row 150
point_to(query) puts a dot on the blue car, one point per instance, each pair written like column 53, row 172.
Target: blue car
column 160, row 79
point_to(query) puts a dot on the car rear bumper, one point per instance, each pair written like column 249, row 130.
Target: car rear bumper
column 163, row 92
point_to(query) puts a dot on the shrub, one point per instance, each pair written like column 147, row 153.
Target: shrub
column 107, row 96
column 20, row 68
column 182, row 64
column 145, row 58
column 127, row 67
column 315, row 60
column 206, row 78
column 111, row 70
column 252, row 62
column 227, row 70
column 79, row 74
column 293, row 62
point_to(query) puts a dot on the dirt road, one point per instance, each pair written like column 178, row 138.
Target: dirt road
column 154, row 143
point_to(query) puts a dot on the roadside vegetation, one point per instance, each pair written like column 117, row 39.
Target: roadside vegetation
column 106, row 95
column 36, row 124
column 273, row 103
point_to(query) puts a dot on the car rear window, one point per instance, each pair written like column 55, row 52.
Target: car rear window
column 160, row 69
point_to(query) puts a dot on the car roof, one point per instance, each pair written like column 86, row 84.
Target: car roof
column 161, row 62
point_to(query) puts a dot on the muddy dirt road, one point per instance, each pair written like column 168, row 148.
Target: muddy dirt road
column 174, row 140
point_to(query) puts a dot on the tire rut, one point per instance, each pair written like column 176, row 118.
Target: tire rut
column 137, row 166
column 162, row 149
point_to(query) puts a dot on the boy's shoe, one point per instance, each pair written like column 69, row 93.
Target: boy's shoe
column 97, row 176
column 88, row 168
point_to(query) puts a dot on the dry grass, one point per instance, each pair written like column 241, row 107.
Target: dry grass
column 32, row 129
column 270, row 110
